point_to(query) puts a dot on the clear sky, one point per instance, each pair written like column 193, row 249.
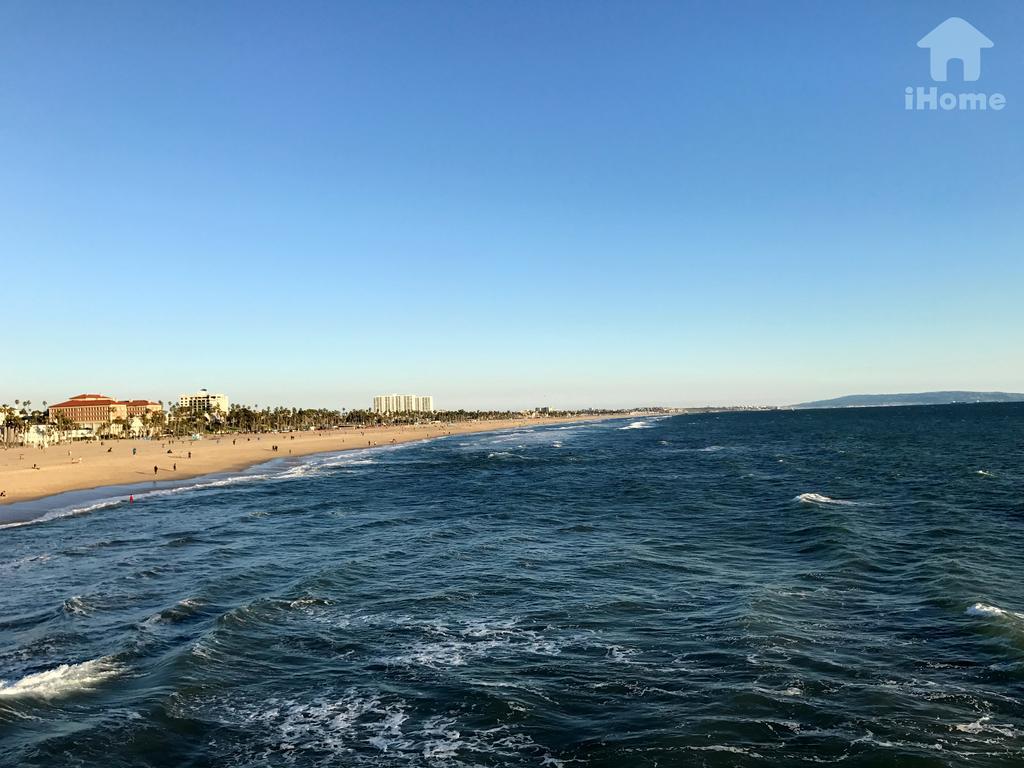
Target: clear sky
column 504, row 203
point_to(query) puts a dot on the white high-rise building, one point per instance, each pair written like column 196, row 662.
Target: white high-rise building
column 403, row 404
column 205, row 402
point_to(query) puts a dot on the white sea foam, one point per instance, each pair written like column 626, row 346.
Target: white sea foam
column 992, row 612
column 77, row 605
column 621, row 655
column 984, row 473
column 316, row 464
column 319, row 465
column 505, row 455
column 724, row 748
column 820, row 498
column 75, row 510
column 340, row 722
column 791, row 691
column 457, row 646
column 61, row 681
column 72, row 511
column 309, row 602
column 637, row 425
column 982, row 725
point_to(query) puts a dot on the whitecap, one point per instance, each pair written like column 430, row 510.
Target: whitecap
column 621, row 655
column 791, row 691
column 77, row 604
column 724, row 748
column 61, row 681
column 56, row 514
column 991, row 611
column 309, row 602
column 982, row 725
column 820, row 498
column 637, row 425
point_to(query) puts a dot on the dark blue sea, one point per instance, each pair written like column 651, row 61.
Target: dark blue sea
column 736, row 589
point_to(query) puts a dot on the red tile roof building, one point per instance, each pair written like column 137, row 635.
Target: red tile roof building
column 91, row 410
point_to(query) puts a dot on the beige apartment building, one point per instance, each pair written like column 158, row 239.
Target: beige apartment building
column 204, row 402
column 403, row 404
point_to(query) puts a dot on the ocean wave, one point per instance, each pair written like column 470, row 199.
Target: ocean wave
column 982, row 725
column 70, row 511
column 61, row 681
column 793, row 690
column 120, row 499
column 725, row 748
column 77, row 605
column 203, row 485
column 180, row 611
column 309, row 602
column 319, row 465
column 637, row 425
column 621, row 655
column 987, row 611
column 505, row 455
column 820, row 498
column 21, row 562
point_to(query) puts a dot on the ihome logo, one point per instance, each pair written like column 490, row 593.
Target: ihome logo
column 953, row 40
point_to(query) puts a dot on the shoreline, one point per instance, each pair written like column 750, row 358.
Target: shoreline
column 34, row 474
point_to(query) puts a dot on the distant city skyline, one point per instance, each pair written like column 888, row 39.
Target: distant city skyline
column 504, row 205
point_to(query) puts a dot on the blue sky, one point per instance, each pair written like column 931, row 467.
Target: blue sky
column 507, row 204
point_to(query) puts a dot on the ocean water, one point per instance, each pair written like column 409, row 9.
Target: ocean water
column 747, row 589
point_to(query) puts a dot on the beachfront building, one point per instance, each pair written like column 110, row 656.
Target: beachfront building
column 204, row 402
column 95, row 411
column 89, row 410
column 140, row 407
column 403, row 404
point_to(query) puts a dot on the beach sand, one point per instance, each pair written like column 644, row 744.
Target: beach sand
column 32, row 473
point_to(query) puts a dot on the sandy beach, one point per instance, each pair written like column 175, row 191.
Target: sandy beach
column 33, row 473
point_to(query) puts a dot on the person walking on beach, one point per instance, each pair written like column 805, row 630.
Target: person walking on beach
column 155, row 469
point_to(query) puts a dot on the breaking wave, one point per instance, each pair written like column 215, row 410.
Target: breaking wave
column 820, row 498
column 61, row 681
column 987, row 611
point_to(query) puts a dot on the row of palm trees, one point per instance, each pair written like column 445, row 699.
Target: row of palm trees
column 181, row 421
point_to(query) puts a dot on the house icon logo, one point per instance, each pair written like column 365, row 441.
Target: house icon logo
column 955, row 39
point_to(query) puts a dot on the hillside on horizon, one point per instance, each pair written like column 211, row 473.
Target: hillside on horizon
column 916, row 398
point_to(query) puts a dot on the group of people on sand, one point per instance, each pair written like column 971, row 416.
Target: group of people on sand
column 174, row 467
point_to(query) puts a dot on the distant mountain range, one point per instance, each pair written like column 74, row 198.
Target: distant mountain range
column 918, row 398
